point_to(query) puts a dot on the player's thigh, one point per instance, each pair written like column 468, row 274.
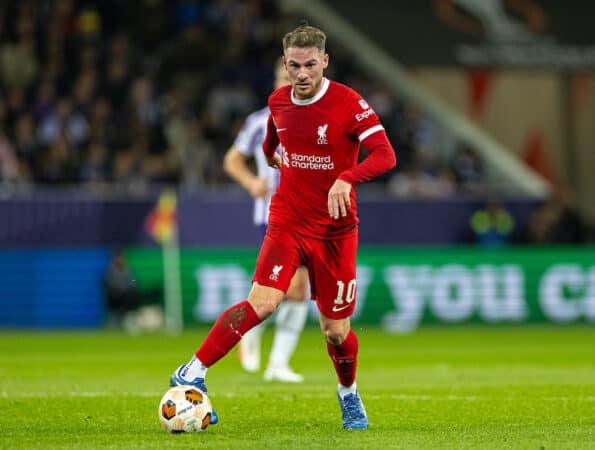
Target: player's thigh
column 333, row 276
column 298, row 286
column 264, row 299
column 278, row 259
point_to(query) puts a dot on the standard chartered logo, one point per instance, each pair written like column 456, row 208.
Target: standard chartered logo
column 312, row 162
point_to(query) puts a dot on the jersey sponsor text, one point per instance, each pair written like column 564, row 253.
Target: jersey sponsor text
column 361, row 116
column 312, row 162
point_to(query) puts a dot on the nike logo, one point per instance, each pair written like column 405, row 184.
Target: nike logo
column 340, row 308
column 281, row 129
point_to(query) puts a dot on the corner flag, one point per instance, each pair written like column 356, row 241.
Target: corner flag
column 162, row 225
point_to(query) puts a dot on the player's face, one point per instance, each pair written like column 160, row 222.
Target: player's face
column 305, row 67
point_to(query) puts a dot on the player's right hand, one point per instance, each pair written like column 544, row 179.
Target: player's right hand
column 258, row 188
column 274, row 161
column 338, row 199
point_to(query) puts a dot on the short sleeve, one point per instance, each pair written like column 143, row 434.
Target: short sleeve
column 362, row 120
column 249, row 136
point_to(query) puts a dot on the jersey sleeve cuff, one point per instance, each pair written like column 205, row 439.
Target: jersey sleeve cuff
column 347, row 176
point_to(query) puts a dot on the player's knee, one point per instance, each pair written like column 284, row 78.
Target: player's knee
column 335, row 333
column 334, row 338
column 264, row 300
column 264, row 307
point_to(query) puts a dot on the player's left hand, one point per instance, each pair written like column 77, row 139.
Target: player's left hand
column 338, row 199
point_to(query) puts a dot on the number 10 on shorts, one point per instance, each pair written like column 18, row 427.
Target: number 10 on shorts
column 349, row 295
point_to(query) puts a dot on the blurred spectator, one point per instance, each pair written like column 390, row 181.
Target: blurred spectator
column 83, row 92
column 228, row 100
column 127, row 166
column 121, row 294
column 18, row 61
column 95, row 166
column 26, row 146
column 64, row 120
column 9, row 166
column 45, row 99
column 558, row 222
column 16, row 105
column 102, row 126
column 57, row 165
column 191, row 55
column 492, row 225
column 127, row 306
column 423, row 179
column 143, row 104
column 117, row 80
column 190, row 150
column 468, row 171
column 149, row 22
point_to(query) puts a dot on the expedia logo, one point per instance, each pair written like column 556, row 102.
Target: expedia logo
column 361, row 116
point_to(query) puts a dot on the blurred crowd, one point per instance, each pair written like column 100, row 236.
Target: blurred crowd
column 130, row 92
column 96, row 93
column 154, row 91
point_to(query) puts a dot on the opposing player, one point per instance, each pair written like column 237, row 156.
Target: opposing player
column 313, row 217
column 291, row 315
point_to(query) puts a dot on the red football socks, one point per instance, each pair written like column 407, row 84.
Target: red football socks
column 344, row 358
column 227, row 332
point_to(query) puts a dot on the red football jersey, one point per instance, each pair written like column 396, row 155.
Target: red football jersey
column 320, row 139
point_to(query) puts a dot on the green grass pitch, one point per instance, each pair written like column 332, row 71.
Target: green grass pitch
column 440, row 387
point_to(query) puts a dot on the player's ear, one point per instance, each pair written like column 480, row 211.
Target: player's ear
column 325, row 61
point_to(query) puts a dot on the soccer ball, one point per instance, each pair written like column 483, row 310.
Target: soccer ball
column 184, row 409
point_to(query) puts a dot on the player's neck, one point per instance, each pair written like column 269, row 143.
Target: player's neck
column 324, row 84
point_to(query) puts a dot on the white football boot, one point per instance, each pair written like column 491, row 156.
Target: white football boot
column 249, row 350
column 283, row 374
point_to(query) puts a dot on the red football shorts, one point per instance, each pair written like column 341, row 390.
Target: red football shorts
column 330, row 263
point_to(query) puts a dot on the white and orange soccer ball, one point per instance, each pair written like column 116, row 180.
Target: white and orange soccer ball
column 185, row 409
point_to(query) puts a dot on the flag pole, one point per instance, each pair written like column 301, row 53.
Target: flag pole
column 162, row 225
column 174, row 321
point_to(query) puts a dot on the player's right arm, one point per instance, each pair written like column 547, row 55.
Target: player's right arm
column 235, row 165
column 270, row 144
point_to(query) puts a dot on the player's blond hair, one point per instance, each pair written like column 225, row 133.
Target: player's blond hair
column 305, row 36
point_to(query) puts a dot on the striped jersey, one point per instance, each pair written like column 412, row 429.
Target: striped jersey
column 249, row 142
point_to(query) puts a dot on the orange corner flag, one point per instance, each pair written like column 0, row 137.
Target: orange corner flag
column 161, row 222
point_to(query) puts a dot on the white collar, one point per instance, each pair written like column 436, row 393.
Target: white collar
column 318, row 96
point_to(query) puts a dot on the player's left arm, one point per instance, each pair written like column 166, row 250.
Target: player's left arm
column 381, row 158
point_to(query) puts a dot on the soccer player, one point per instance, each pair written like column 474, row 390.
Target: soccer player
column 313, row 218
column 291, row 315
